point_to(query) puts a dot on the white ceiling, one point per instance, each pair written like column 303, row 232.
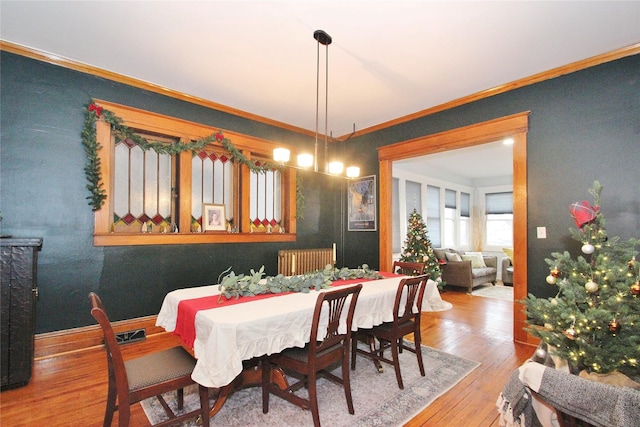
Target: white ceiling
column 464, row 166
column 388, row 59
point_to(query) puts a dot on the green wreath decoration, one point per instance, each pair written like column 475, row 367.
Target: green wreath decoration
column 122, row 132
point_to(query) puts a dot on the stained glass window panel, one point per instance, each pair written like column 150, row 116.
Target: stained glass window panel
column 211, row 182
column 142, row 184
column 266, row 198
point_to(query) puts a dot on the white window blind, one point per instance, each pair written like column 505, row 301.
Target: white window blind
column 433, row 215
column 465, row 205
column 499, row 203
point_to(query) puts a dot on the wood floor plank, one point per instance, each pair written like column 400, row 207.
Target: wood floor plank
column 69, row 390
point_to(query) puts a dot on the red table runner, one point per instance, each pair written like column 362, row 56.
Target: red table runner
column 188, row 308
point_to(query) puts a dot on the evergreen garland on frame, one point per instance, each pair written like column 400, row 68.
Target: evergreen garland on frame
column 122, row 133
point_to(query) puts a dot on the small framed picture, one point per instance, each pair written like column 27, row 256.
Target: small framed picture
column 213, row 218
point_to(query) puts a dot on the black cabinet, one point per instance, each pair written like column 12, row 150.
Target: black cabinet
column 18, row 262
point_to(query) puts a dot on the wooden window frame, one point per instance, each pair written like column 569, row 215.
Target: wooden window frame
column 188, row 131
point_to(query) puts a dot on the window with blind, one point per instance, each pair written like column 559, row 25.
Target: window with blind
column 450, row 217
column 465, row 220
column 157, row 198
column 499, row 219
column 413, row 197
column 445, row 208
column 433, row 215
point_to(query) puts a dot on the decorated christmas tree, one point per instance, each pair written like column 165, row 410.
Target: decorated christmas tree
column 417, row 247
column 594, row 320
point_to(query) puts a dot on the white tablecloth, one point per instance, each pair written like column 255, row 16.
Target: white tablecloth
column 227, row 335
column 432, row 300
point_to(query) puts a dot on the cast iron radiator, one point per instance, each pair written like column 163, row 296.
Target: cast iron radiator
column 300, row 261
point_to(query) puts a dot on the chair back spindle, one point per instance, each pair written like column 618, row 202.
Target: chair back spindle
column 408, row 268
column 413, row 289
column 334, row 303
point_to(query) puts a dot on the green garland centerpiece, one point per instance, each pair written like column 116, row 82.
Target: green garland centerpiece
column 235, row 286
column 122, row 133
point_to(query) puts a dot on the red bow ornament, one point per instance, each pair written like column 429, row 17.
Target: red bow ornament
column 219, row 136
column 97, row 109
column 583, row 213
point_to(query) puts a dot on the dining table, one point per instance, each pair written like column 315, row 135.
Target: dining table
column 224, row 333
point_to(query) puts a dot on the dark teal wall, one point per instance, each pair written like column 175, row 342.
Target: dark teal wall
column 43, row 194
column 583, row 127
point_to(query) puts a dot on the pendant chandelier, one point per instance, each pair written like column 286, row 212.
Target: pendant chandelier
column 305, row 160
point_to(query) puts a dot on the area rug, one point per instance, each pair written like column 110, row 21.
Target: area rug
column 376, row 397
column 497, row 292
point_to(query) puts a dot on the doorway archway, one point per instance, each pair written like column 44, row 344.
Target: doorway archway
column 514, row 126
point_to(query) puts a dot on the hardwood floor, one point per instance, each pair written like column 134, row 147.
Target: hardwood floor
column 70, row 390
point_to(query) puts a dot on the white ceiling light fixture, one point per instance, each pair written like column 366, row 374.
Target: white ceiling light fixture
column 305, row 160
column 281, row 155
column 353, row 172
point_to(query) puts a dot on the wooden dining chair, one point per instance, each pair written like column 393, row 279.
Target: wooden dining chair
column 390, row 334
column 320, row 355
column 134, row 380
column 408, row 268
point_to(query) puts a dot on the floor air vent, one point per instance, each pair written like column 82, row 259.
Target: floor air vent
column 131, row 336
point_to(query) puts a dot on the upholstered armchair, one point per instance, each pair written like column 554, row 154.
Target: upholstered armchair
column 507, row 266
column 507, row 271
column 466, row 270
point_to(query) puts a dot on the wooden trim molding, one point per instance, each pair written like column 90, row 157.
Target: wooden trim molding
column 514, row 126
column 51, row 344
column 186, row 130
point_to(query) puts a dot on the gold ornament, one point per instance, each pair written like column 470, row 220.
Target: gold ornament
column 635, row 288
column 551, row 280
column 555, row 272
column 591, row 287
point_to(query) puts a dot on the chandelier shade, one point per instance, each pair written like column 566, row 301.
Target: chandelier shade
column 353, row 172
column 305, row 160
column 281, row 155
column 336, row 168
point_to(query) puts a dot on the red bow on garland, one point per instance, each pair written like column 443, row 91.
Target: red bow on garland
column 97, row 109
column 583, row 213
